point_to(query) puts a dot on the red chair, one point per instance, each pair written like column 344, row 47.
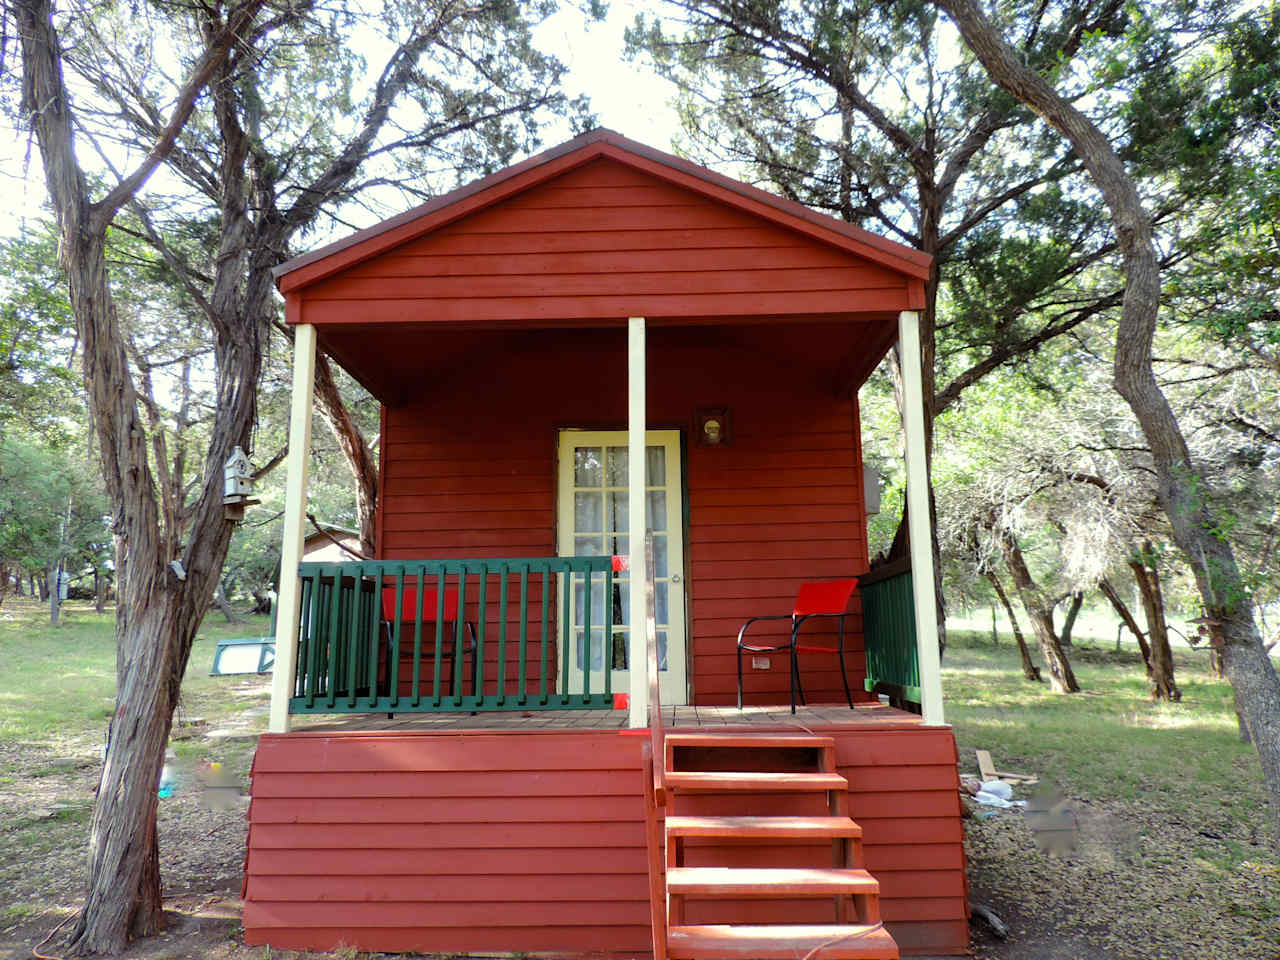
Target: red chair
column 409, row 610
column 829, row 599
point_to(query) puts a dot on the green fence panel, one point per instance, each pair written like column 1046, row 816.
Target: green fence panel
column 889, row 626
column 352, row 657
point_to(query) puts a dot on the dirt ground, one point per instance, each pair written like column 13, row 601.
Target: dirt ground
column 1119, row 895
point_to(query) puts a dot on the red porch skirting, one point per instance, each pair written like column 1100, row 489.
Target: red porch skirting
column 514, row 841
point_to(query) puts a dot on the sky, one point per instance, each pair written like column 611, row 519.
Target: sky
column 626, row 97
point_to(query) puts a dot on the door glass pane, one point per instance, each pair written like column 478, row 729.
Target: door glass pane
column 586, row 467
column 619, row 546
column 655, row 466
column 655, row 513
column 588, row 546
column 588, row 512
column 597, row 649
column 660, row 603
column 618, row 515
column 621, row 603
column 597, row 600
column 662, row 650
column 616, row 470
column 620, row 640
column 660, row 559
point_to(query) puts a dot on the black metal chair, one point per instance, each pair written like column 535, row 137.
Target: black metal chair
column 825, row 599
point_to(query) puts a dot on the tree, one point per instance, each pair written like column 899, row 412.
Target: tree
column 51, row 512
column 265, row 123
column 856, row 108
column 1197, row 531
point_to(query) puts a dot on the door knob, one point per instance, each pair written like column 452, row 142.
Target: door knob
column 675, row 578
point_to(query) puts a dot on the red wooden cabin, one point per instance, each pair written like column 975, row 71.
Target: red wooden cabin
column 601, row 339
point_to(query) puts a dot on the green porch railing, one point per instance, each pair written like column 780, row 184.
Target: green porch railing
column 889, row 628
column 453, row 635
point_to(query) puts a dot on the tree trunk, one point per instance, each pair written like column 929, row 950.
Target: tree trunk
column 355, row 449
column 1129, row 620
column 1147, row 577
column 1062, row 678
column 4, row 582
column 224, row 606
column 99, row 590
column 1029, row 669
column 156, row 615
column 43, row 581
column 54, row 576
column 1073, row 611
column 1197, row 532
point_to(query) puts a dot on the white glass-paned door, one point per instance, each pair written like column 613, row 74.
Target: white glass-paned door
column 594, row 521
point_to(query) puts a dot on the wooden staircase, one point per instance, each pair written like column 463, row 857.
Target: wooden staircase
column 735, row 769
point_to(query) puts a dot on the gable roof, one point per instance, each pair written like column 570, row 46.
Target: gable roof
column 447, row 208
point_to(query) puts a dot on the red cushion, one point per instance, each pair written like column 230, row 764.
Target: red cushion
column 828, row 596
column 409, row 603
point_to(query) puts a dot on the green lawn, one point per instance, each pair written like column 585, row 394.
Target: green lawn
column 1110, row 741
column 57, row 690
column 1174, row 838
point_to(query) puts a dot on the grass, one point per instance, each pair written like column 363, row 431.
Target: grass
column 59, row 682
column 1109, row 742
column 57, row 693
column 1174, row 802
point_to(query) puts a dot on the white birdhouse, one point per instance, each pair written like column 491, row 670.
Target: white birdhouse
column 871, row 488
column 237, row 476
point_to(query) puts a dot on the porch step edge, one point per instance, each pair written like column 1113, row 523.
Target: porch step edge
column 786, row 942
column 732, row 782
column 763, row 740
column 773, row 882
column 770, row 828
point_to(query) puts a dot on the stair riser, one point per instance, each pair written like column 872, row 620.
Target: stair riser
column 747, row 911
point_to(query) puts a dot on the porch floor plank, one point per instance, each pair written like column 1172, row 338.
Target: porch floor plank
column 674, row 717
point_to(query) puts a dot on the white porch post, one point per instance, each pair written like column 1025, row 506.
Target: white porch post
column 637, row 657
column 295, row 509
column 918, row 519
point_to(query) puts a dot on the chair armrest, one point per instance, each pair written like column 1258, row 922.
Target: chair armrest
column 743, row 632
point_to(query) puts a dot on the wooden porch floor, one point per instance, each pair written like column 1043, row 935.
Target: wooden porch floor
column 691, row 717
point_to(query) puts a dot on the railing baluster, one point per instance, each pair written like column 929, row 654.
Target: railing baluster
column 373, row 623
column 353, row 646
column 417, row 642
column 393, row 655
column 586, row 633
column 502, row 636
column 606, row 641
column 459, row 645
column 566, row 628
column 441, row 579
column 332, row 635
column 316, row 638
column 304, row 649
column 522, row 692
column 546, row 629
column 482, row 618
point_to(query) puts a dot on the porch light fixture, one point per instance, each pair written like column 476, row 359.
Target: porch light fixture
column 713, row 427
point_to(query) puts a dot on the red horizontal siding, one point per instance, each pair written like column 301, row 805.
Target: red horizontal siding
column 605, row 240
column 533, row 841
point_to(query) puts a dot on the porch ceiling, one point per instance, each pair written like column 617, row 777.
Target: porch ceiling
column 397, row 362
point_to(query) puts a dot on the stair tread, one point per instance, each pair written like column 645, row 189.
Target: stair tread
column 772, row 740
column 785, row 942
column 704, row 781
column 780, row 828
column 769, row 881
